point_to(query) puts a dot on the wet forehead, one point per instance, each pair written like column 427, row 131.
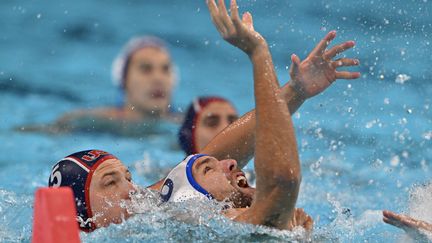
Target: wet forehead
column 202, row 161
column 219, row 108
column 109, row 166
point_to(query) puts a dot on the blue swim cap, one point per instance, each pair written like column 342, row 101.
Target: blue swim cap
column 186, row 135
column 75, row 171
column 180, row 185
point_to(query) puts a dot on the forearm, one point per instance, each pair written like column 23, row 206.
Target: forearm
column 292, row 97
column 277, row 164
column 237, row 141
column 276, row 149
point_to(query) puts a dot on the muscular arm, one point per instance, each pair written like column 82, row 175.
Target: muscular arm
column 237, row 141
column 277, row 164
column 308, row 78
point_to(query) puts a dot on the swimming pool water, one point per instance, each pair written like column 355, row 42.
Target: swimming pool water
column 365, row 145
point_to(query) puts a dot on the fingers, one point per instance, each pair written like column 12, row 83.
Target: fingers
column 248, row 20
column 393, row 216
column 308, row 225
column 298, row 217
column 399, row 220
column 225, row 24
column 392, row 222
column 302, row 219
column 214, row 13
column 322, row 45
column 347, row 75
column 225, row 18
column 235, row 14
column 295, row 60
column 390, row 214
column 330, row 54
column 345, row 62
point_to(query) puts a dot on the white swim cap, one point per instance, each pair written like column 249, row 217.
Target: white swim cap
column 180, row 184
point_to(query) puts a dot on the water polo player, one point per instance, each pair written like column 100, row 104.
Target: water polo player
column 310, row 77
column 276, row 159
column 101, row 185
column 205, row 117
column 145, row 77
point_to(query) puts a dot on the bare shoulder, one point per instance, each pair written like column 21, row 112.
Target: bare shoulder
column 176, row 117
column 108, row 112
column 103, row 112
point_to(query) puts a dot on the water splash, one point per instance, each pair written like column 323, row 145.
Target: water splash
column 420, row 202
column 197, row 221
column 14, row 217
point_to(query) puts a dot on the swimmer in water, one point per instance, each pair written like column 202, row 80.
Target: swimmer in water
column 308, row 78
column 101, row 185
column 144, row 74
column 204, row 119
column 277, row 164
column 416, row 229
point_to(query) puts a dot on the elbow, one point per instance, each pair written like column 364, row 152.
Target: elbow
column 288, row 182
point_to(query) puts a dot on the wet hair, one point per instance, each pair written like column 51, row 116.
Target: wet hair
column 76, row 171
column 122, row 61
column 186, row 134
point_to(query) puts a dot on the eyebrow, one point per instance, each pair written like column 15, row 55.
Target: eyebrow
column 205, row 161
column 112, row 173
column 212, row 115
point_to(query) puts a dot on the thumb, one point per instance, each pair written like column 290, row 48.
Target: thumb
column 295, row 63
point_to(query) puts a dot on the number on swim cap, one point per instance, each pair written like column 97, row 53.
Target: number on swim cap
column 167, row 190
column 55, row 174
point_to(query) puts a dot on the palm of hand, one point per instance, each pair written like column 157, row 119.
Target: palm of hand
column 245, row 39
column 238, row 32
column 318, row 71
column 313, row 76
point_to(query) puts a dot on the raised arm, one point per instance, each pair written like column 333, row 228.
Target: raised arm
column 308, row 78
column 277, row 163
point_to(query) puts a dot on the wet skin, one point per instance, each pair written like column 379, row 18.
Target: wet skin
column 149, row 81
column 110, row 190
column 211, row 121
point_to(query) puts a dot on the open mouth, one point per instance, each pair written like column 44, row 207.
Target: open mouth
column 157, row 94
column 242, row 181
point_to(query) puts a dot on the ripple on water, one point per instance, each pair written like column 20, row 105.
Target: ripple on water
column 14, row 217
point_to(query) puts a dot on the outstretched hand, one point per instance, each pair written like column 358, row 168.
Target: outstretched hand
column 238, row 32
column 318, row 71
column 411, row 226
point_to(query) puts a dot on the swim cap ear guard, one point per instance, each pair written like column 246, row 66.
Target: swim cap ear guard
column 180, row 184
column 75, row 171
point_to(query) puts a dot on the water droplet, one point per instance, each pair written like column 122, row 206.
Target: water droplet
column 402, row 78
column 395, row 161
